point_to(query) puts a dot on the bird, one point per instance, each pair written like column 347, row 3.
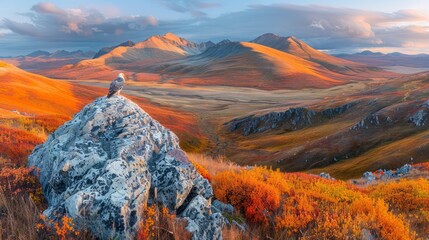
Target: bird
column 116, row 85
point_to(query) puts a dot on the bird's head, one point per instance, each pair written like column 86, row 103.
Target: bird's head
column 121, row 75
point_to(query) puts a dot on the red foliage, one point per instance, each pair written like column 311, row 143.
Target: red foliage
column 256, row 199
column 422, row 166
column 17, row 181
column 49, row 122
column 16, row 144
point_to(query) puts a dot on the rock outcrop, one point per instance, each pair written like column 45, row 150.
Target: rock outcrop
column 289, row 120
column 383, row 174
column 101, row 167
column 412, row 112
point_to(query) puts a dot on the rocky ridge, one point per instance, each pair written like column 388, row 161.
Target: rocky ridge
column 101, row 167
column 289, row 120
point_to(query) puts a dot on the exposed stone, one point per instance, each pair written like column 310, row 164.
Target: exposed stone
column 202, row 224
column 222, row 207
column 101, row 167
column 419, row 118
column 384, row 174
column 326, row 175
column 404, row 170
column 369, row 176
column 367, row 235
column 372, row 120
column 289, row 120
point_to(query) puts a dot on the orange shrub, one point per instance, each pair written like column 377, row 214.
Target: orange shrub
column 297, row 212
column 255, row 198
column 158, row 223
column 146, row 226
column 299, row 205
column 408, row 197
column 65, row 228
column 202, row 170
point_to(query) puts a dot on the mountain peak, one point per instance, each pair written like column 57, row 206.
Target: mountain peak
column 172, row 37
column 274, row 37
column 266, row 37
column 106, row 50
column 299, row 48
column 38, row 53
column 168, row 38
column 293, row 38
column 286, row 44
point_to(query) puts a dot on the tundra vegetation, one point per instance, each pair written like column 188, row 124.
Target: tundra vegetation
column 269, row 204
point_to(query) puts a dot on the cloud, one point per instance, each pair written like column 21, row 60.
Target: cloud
column 51, row 23
column 194, row 7
column 329, row 28
column 321, row 26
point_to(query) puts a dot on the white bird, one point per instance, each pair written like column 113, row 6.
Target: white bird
column 116, row 85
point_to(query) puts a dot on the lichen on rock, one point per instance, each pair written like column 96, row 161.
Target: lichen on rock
column 101, row 167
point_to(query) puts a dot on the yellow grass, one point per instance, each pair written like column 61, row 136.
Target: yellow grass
column 18, row 217
column 213, row 165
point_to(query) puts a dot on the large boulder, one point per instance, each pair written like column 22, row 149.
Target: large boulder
column 101, row 167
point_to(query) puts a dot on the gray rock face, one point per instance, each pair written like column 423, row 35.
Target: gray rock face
column 368, row 176
column 419, row 118
column 372, row 120
column 390, row 116
column 218, row 206
column 384, row 174
column 326, row 176
column 101, row 167
column 289, row 120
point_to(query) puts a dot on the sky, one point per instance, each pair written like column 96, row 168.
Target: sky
column 335, row 26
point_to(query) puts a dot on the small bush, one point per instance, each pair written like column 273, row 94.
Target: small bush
column 158, row 223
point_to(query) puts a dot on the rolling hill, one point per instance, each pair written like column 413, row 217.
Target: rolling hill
column 248, row 65
column 30, row 97
column 35, row 94
column 299, row 48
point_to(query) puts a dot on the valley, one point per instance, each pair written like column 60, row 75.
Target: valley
column 331, row 142
column 273, row 101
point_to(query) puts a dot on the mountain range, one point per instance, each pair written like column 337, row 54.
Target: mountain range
column 41, row 60
column 390, row 59
column 267, row 62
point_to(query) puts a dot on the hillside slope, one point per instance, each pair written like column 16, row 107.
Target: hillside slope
column 37, row 105
column 34, row 94
column 299, row 48
column 383, row 126
column 250, row 65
